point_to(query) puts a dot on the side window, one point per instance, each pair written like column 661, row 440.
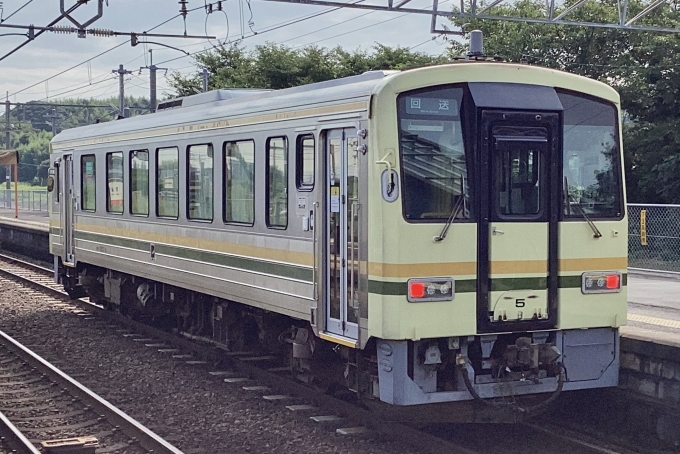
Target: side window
column 239, row 182
column 167, row 182
column 277, row 182
column 139, row 182
column 88, row 183
column 114, row 182
column 304, row 157
column 200, row 182
column 593, row 180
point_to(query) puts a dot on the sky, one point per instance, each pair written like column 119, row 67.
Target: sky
column 33, row 72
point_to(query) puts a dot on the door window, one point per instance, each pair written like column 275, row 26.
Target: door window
column 518, row 178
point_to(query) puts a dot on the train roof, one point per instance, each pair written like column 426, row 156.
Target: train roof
column 220, row 104
column 211, row 105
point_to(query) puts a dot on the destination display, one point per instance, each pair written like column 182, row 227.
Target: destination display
column 431, row 106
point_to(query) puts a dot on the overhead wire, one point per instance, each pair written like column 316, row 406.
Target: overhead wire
column 261, row 32
column 101, row 53
column 361, row 28
column 74, row 89
column 40, row 32
column 17, row 10
column 254, row 33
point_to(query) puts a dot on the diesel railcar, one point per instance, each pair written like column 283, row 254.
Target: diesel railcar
column 439, row 234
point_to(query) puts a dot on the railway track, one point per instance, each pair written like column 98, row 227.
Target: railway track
column 45, row 404
column 256, row 372
column 40, row 402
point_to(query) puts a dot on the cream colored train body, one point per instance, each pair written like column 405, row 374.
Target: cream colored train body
column 440, row 234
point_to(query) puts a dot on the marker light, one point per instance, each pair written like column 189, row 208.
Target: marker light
column 601, row 282
column 430, row 289
column 416, row 289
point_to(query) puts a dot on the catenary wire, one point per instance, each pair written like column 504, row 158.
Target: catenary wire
column 17, row 10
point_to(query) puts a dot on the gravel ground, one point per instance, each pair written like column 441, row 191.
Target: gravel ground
column 193, row 410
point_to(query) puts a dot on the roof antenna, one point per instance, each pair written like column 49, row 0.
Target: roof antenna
column 476, row 44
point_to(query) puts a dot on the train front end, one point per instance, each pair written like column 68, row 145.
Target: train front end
column 499, row 267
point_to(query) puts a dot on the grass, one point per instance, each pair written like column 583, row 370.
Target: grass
column 23, row 186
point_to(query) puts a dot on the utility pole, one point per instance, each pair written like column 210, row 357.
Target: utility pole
column 54, row 117
column 121, row 84
column 8, row 146
column 152, row 80
column 205, row 80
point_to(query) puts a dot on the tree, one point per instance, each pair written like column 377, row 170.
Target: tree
column 272, row 66
column 642, row 66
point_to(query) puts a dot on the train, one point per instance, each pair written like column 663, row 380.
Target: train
column 443, row 234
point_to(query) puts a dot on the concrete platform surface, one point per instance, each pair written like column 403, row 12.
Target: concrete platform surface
column 25, row 217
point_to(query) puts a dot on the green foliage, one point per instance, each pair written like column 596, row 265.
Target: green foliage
column 32, row 128
column 273, row 66
column 642, row 66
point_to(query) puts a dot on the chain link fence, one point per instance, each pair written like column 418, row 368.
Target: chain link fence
column 27, row 200
column 654, row 237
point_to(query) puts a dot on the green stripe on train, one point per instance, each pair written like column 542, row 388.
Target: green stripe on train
column 213, row 258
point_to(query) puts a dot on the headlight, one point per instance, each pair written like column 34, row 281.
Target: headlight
column 421, row 290
column 601, row 282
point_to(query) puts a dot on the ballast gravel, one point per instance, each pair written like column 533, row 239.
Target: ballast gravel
column 196, row 412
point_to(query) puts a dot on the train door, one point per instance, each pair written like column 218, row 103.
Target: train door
column 67, row 212
column 342, row 233
column 519, row 274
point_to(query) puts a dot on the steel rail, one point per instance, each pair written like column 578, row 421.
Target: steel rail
column 14, row 438
column 147, row 439
column 370, row 416
column 405, row 434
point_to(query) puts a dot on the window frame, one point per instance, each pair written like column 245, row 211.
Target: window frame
column 82, row 181
column 148, row 182
column 541, row 169
column 122, row 182
column 188, row 188
column 176, row 148
column 466, row 110
column 299, row 163
column 267, row 174
column 224, row 182
column 620, row 161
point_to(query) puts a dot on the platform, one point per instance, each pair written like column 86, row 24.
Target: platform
column 28, row 234
column 26, row 218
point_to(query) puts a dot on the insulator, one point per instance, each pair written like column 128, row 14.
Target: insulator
column 183, row 8
column 63, row 29
column 100, row 32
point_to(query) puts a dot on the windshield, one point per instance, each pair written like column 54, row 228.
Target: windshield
column 432, row 154
column 592, row 167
